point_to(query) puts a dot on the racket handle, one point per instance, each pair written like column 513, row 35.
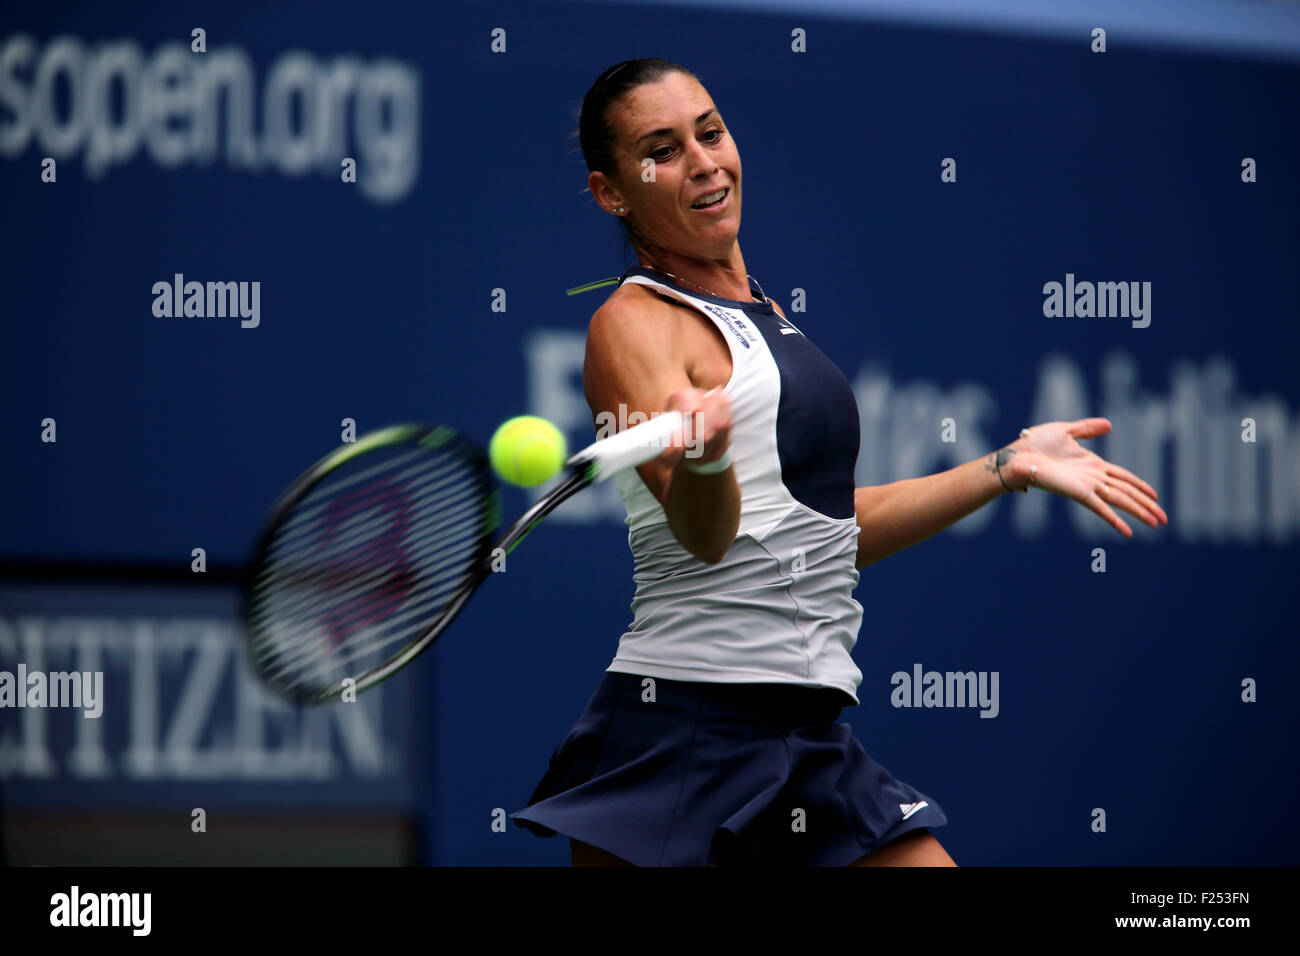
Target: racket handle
column 632, row 446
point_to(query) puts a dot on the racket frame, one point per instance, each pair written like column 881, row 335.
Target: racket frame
column 578, row 474
column 599, row 461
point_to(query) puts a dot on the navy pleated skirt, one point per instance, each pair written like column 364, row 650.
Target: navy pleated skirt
column 687, row 774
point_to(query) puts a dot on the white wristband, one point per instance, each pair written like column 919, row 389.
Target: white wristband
column 710, row 467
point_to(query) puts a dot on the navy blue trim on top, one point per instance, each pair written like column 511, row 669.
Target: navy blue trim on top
column 817, row 428
column 764, row 307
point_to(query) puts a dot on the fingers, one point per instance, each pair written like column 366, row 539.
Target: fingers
column 707, row 429
column 690, row 400
column 1136, row 488
column 1094, row 501
column 1088, row 427
column 1122, row 496
column 685, row 400
column 1103, row 481
column 1142, row 499
column 1115, row 471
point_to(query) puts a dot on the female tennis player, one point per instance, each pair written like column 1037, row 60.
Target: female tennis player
column 713, row 737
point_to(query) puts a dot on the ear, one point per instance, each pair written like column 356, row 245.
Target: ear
column 605, row 192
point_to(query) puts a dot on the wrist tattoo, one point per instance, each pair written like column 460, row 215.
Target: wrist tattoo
column 996, row 461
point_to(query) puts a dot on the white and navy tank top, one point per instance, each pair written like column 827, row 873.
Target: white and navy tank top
column 779, row 607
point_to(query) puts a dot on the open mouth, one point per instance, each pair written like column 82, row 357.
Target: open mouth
column 712, row 201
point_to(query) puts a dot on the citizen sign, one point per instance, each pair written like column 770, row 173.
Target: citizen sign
column 179, row 703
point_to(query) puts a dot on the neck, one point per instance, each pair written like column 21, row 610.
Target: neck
column 724, row 278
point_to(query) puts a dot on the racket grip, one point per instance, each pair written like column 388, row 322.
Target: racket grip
column 632, row 446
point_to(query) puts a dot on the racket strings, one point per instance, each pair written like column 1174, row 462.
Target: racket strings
column 292, row 644
column 349, row 638
column 433, row 534
column 312, row 668
column 299, row 531
column 358, row 542
column 363, row 564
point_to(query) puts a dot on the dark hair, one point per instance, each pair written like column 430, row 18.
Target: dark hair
column 595, row 133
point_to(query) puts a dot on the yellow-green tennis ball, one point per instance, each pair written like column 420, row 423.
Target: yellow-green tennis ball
column 527, row 450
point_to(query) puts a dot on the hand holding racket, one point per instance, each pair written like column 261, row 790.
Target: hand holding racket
column 371, row 553
column 710, row 416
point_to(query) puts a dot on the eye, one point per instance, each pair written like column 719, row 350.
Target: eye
column 712, row 137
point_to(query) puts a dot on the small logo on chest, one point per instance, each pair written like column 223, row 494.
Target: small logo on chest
column 738, row 327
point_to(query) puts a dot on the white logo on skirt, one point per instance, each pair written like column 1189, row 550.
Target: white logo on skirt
column 910, row 808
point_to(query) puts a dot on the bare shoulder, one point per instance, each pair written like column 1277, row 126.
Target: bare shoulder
column 629, row 303
column 635, row 351
column 633, row 319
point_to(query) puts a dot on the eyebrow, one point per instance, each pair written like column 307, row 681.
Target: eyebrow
column 660, row 132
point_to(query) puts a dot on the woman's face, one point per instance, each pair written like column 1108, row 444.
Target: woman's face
column 674, row 123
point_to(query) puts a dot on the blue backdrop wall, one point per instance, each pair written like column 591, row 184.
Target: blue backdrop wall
column 382, row 301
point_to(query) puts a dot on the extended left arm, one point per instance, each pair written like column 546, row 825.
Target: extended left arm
column 900, row 514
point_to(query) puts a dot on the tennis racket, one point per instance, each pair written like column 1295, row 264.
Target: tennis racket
column 372, row 552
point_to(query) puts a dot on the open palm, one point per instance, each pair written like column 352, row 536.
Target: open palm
column 1049, row 457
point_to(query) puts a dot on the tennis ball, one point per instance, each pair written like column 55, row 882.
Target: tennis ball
column 527, row 451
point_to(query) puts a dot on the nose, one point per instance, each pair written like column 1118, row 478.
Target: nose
column 701, row 162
